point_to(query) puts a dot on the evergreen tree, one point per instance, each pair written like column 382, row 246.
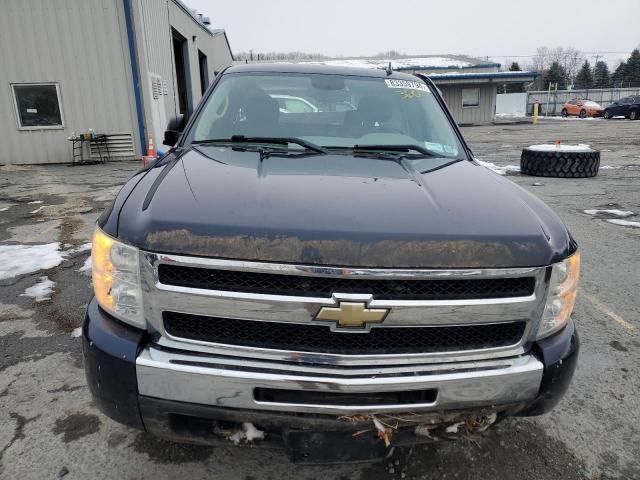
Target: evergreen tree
column 632, row 69
column 618, row 77
column 515, row 87
column 556, row 74
column 584, row 78
column 601, row 77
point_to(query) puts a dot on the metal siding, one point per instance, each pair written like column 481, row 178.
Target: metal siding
column 79, row 44
column 213, row 46
column 153, row 21
column 484, row 113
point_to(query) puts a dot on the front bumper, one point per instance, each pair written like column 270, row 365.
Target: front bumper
column 178, row 395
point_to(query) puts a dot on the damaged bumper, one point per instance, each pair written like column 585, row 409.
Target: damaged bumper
column 204, row 399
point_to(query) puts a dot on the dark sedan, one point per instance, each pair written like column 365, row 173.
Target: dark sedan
column 628, row 107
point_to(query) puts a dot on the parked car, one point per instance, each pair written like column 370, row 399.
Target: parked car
column 582, row 108
column 293, row 104
column 628, row 107
column 331, row 283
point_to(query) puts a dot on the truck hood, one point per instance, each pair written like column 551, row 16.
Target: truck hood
column 340, row 210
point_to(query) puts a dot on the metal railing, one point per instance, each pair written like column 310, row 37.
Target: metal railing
column 551, row 102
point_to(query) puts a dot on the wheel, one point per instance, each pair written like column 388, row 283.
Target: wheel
column 568, row 164
column 583, row 114
column 606, row 114
column 564, row 112
column 633, row 115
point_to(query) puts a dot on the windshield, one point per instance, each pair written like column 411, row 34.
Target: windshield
column 328, row 111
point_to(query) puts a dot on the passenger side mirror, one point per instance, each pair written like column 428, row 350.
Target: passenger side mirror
column 174, row 130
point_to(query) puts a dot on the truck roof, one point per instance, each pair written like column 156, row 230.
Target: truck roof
column 317, row 69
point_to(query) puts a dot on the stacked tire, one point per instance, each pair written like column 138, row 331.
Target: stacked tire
column 581, row 163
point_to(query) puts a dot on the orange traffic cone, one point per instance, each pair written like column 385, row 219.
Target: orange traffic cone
column 151, row 149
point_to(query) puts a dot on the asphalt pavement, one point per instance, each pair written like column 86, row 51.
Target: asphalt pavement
column 49, row 428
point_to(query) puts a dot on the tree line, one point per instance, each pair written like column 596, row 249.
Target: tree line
column 626, row 74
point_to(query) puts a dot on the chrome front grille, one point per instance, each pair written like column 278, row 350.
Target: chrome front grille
column 265, row 311
column 379, row 288
column 320, row 338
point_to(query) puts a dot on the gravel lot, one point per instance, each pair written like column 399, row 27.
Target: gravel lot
column 48, row 425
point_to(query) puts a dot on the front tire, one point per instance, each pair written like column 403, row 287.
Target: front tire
column 633, row 115
column 564, row 113
column 606, row 114
column 583, row 114
column 564, row 164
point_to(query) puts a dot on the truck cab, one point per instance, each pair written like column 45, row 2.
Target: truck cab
column 334, row 282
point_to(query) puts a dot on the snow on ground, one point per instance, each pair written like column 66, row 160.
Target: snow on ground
column 35, row 202
column 77, row 332
column 82, row 248
column 413, row 62
column 511, row 115
column 20, row 259
column 4, row 209
column 497, row 169
column 581, row 147
column 624, row 223
column 542, row 117
column 608, row 167
column 41, row 291
column 616, row 212
column 33, row 212
column 86, row 267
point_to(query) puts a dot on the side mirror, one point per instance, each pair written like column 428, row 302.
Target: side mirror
column 174, row 130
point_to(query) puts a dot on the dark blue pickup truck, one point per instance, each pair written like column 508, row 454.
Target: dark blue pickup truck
column 319, row 264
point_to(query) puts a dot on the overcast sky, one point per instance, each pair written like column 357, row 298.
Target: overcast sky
column 492, row 28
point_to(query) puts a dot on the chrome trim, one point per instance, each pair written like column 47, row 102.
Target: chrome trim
column 281, row 308
column 204, row 380
column 341, row 272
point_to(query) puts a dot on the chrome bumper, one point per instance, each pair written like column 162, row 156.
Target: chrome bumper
column 215, row 381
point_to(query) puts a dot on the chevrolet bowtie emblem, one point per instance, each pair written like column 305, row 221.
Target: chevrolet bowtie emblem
column 352, row 314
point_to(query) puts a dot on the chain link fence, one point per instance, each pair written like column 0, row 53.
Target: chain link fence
column 551, row 103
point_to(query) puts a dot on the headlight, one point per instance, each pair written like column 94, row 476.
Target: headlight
column 116, row 278
column 563, row 288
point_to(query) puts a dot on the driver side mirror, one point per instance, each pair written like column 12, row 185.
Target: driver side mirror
column 174, row 130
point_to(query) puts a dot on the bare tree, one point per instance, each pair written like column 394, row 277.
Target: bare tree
column 540, row 60
column 390, row 54
column 278, row 56
column 568, row 58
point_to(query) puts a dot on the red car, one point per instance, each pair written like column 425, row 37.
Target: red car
column 581, row 107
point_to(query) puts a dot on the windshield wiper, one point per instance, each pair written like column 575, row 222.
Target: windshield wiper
column 267, row 140
column 395, row 148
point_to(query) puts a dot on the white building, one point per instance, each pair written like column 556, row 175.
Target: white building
column 118, row 67
column 468, row 85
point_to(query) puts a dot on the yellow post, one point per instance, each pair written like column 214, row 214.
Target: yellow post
column 535, row 113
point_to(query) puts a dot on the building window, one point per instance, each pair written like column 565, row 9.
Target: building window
column 470, row 97
column 37, row 105
column 204, row 71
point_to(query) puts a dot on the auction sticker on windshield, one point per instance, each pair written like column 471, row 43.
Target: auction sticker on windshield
column 406, row 84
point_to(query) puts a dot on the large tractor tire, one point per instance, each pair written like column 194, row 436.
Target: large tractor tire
column 560, row 163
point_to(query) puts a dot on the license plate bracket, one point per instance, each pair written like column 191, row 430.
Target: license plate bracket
column 316, row 447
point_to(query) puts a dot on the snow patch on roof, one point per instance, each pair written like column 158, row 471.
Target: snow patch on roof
column 396, row 63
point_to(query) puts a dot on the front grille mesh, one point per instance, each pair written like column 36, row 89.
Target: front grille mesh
column 383, row 289
column 320, row 339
